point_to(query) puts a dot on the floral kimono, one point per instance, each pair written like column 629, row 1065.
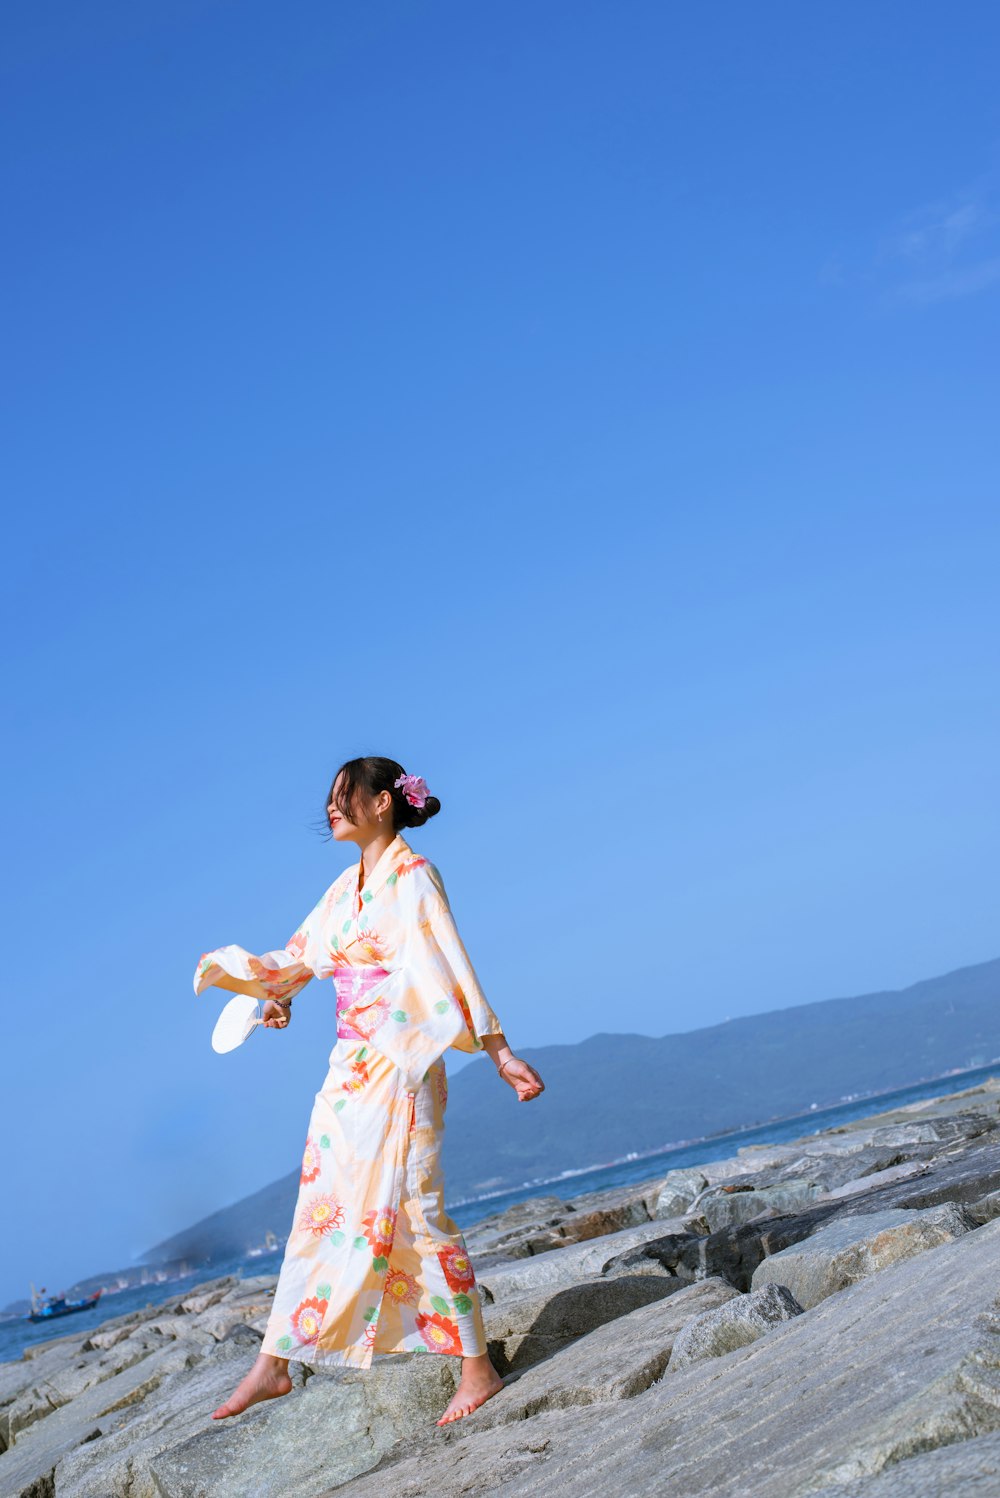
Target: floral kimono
column 373, row 1263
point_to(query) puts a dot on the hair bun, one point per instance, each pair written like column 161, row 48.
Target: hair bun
column 417, row 815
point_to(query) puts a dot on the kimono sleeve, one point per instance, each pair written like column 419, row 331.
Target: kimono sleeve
column 432, row 999
column 274, row 975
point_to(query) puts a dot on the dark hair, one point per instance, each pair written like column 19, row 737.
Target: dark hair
column 364, row 778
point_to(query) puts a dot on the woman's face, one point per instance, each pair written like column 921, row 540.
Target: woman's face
column 346, row 830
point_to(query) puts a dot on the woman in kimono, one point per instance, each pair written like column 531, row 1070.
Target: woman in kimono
column 373, row 1263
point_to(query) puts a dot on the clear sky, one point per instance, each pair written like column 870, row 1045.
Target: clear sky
column 590, row 405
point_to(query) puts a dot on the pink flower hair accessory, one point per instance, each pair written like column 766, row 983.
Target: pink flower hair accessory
column 414, row 788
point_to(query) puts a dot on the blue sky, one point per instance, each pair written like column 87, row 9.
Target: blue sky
column 591, row 406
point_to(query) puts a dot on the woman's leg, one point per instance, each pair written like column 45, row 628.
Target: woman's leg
column 434, row 1249
column 268, row 1378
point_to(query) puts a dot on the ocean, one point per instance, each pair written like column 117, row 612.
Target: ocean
column 16, row 1335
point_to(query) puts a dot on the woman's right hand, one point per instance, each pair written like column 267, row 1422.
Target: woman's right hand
column 523, row 1077
column 276, row 1016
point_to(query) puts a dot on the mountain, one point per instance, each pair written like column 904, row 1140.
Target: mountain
column 613, row 1094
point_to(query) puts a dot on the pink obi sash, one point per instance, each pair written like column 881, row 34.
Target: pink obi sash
column 353, row 984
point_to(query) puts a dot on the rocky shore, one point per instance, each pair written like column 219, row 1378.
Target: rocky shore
column 819, row 1318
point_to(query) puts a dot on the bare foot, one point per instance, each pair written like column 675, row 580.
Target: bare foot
column 479, row 1380
column 266, row 1380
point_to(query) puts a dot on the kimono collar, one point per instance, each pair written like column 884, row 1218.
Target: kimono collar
column 398, row 849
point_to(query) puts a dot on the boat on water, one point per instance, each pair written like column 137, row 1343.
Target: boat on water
column 58, row 1305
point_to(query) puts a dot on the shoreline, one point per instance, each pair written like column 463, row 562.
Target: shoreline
column 723, row 1134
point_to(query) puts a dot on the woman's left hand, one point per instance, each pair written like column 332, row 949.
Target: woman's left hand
column 523, row 1078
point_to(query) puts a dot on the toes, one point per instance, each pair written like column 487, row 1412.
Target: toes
column 458, row 1411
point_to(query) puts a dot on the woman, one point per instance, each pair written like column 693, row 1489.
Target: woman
column 373, row 1263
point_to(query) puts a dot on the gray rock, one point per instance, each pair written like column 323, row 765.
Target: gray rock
column 27, row 1468
column 68, row 1382
column 832, row 1169
column 725, row 1206
column 736, row 1324
column 115, row 1330
column 218, row 1321
column 565, row 1266
column 678, row 1190
column 854, row 1246
column 616, row 1361
column 550, row 1223
column 963, row 1126
column 508, row 1228
column 902, row 1361
column 339, row 1426
column 965, row 1469
column 116, row 1463
column 596, row 1222
column 52, row 1346
column 18, row 1378
column 985, row 1208
column 858, row 1185
column 716, row 1171
column 205, row 1296
column 960, row 1174
column 766, row 1156
column 529, row 1326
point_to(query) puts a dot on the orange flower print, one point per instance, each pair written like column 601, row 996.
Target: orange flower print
column 457, row 1267
column 372, row 943
column 379, row 1225
column 322, row 1214
column 409, row 866
column 367, row 1019
column 297, row 944
column 440, row 1334
column 403, row 1288
column 358, row 1079
column 311, row 1160
column 307, row 1319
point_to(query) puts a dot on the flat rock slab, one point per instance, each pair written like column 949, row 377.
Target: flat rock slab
column 617, row 1361
column 966, row 1469
column 19, row 1377
column 723, row 1207
column 116, row 1464
column 904, row 1361
column 858, row 1184
column 589, row 1201
column 854, row 1246
column 27, row 1468
column 565, row 1266
column 338, row 1426
column 523, row 1329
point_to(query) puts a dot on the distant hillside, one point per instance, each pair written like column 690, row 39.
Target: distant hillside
column 612, row 1094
